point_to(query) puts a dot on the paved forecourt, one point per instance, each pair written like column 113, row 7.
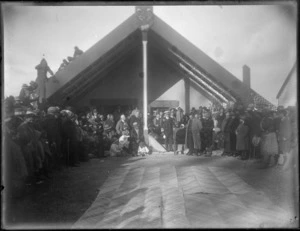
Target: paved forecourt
column 169, row 196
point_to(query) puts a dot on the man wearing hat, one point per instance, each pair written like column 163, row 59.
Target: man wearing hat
column 207, row 133
column 52, row 125
column 167, row 126
column 29, row 140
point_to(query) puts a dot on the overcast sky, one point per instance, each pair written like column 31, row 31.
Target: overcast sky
column 263, row 37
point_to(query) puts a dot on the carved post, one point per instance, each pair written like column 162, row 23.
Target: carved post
column 145, row 19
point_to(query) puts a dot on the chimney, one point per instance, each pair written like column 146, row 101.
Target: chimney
column 246, row 76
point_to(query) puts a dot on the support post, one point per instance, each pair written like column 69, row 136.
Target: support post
column 145, row 19
column 145, row 87
column 187, row 84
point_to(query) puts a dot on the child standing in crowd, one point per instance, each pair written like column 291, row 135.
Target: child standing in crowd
column 180, row 140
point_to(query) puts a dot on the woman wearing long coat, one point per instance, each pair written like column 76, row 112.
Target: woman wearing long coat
column 196, row 128
column 242, row 138
column 189, row 136
column 269, row 145
column 225, row 128
column 207, row 133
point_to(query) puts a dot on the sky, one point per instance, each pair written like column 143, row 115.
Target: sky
column 260, row 36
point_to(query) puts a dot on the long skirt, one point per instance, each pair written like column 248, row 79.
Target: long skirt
column 190, row 142
column 269, row 144
column 196, row 139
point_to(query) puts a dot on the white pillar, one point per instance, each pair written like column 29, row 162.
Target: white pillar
column 145, row 91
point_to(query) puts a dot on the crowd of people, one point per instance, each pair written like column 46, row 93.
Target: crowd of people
column 40, row 140
column 242, row 133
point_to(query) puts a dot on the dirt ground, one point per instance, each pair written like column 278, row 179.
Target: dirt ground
column 60, row 201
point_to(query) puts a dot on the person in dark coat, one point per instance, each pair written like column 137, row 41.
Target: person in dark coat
column 242, row 139
column 14, row 161
column 167, row 126
column 189, row 142
column 29, row 141
column 52, row 126
column 136, row 136
column 157, row 124
column 69, row 139
column 225, row 128
column 184, row 119
column 207, row 133
column 117, row 113
column 234, row 123
column 180, row 139
column 196, row 132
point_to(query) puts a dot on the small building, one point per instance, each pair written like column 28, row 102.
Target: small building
column 287, row 95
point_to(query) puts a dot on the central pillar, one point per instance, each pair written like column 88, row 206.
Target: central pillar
column 145, row 86
column 145, row 19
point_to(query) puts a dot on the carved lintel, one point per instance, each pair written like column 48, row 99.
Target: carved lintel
column 145, row 17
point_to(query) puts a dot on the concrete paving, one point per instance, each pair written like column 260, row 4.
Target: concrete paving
column 154, row 192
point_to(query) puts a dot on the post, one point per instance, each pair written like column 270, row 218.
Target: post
column 145, row 87
column 187, row 94
column 145, row 20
